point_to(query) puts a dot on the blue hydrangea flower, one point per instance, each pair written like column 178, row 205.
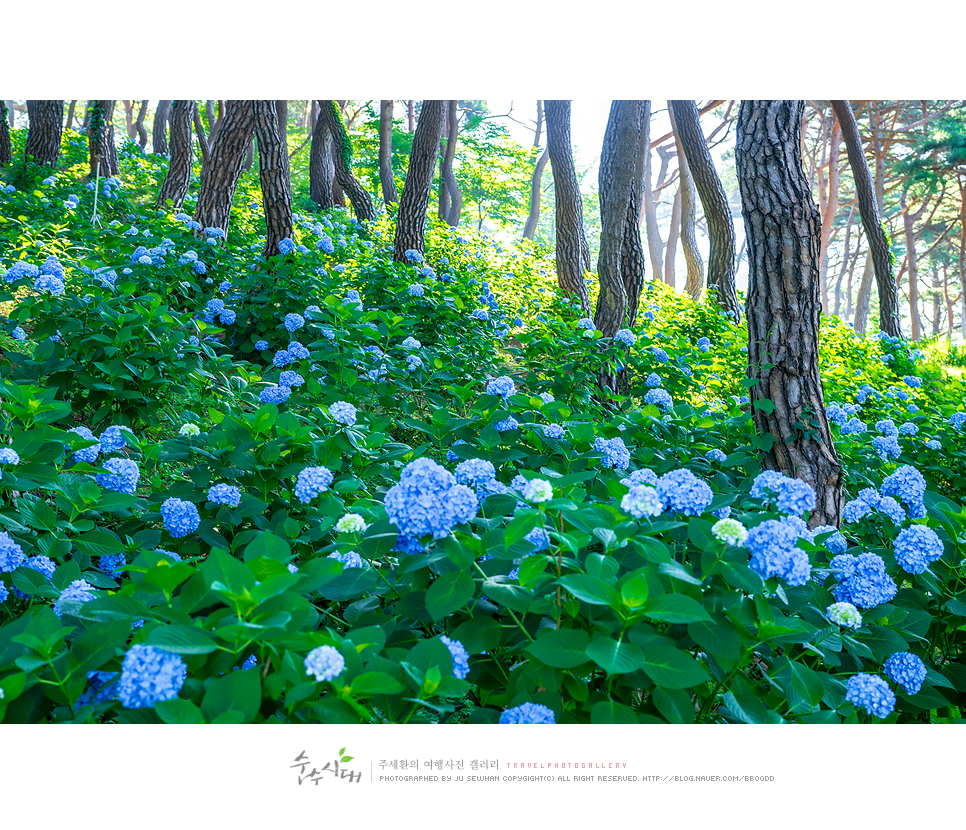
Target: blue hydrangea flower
column 644, row 476
column 282, row 358
column 41, row 564
column 474, row 472
column 11, row 554
column 774, row 553
column 528, row 713
column 862, row 580
column 625, row 336
column 122, row 477
column 716, row 456
column 835, row 543
column 412, row 255
column 617, row 454
column 429, row 500
column 659, row 397
column 52, row 268
column 507, row 424
column 224, row 494
column 461, row 658
column 87, row 454
column 50, row 284
column 291, row 379
column 215, row 306
column 261, row 345
column 416, row 290
column 275, row 394
column 297, row 351
column 908, row 485
column 659, row 354
column 653, row 380
column 934, row 444
column 872, row 693
column 907, row 670
column 642, row 501
column 854, row 426
column 908, row 428
column 294, row 321
column 553, row 431
column 148, row 676
column 585, row 323
column 286, row 246
column 480, row 314
column 311, row 482
column 916, row 547
column 681, row 491
column 112, row 438
column 957, row 419
column 502, row 386
column 349, row 559
column 180, row 517
column 325, row 662
column 113, row 564
column 227, row 317
column 344, row 413
column 791, row 495
column 704, row 344
column 9, row 456
column 325, row 245
column 452, row 456
column 18, row 334
column 80, row 590
column 844, row 614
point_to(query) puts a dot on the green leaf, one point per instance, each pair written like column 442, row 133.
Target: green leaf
column 448, row 593
column 225, row 569
column 376, row 683
column 239, row 691
column 182, row 639
column 806, row 684
column 512, row 596
column 614, row 657
column 676, row 608
column 591, row 589
column 178, row 711
column 675, row 704
column 564, row 648
column 609, row 711
column 268, row 544
column 478, row 634
column 635, row 591
column 718, row 638
column 672, row 668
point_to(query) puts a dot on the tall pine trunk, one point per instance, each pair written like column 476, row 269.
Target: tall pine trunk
column 139, row 125
column 46, row 127
column 714, row 201
column 871, row 221
column 5, row 151
column 342, row 157
column 694, row 283
column 450, row 212
column 159, row 132
column 571, row 249
column 411, row 219
column 178, row 177
column 386, row 177
column 632, row 249
column 530, row 229
column 273, row 173
column 321, row 166
column 100, row 139
column 783, row 231
column 220, row 173
column 673, row 234
column 655, row 245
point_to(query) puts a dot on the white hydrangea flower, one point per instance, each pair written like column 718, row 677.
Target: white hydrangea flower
column 731, row 531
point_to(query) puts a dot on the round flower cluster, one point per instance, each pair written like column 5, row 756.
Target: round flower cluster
column 297, row 351
column 113, row 564
column 791, row 495
column 411, row 343
column 653, row 380
column 716, row 456
column 887, row 446
column 180, row 517
column 502, row 386
column 538, row 490
column 311, row 482
column 429, row 500
column 11, row 554
column 344, row 413
column 659, row 397
column 412, row 255
column 480, row 314
column 907, row 485
column 835, row 543
column 862, row 580
column 282, row 358
column 553, row 431
column 539, row 538
column 42, row 564
column 349, row 559
column 528, row 713
column 681, row 491
column 87, row 454
column 80, row 590
column 325, row 662
column 52, row 285
column 907, row 670
column 774, row 552
column 294, row 321
column 351, row 523
column 261, row 345
column 275, row 394
column 286, row 246
column 844, row 614
column 871, row 693
column 625, row 336
column 112, row 438
column 730, row 531
column 461, row 658
column 506, row 424
column 148, row 676
column 659, row 354
column 122, row 477
column 290, row 379
column 474, row 472
column 225, row 494
column 617, row 454
column 416, row 290
column 642, row 501
column 9, row 456
column 916, row 547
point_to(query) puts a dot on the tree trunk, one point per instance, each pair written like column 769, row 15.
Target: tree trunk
column 864, row 296
column 273, row 173
column 386, row 177
column 129, row 118
column 571, row 249
column 70, row 114
column 714, row 201
column 913, row 264
column 454, row 197
column 694, row 283
column 100, row 139
column 321, row 166
column 46, row 126
column 632, row 249
column 6, row 153
column 139, row 125
column 783, row 230
column 871, row 221
column 219, row 175
column 655, row 245
column 12, row 115
column 411, row 115
column 845, row 259
column 411, row 219
column 159, row 133
column 673, row 233
column 535, row 193
column 178, row 177
column 203, row 145
column 281, row 115
column 342, row 157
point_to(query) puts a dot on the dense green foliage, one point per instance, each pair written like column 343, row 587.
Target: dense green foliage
column 614, row 619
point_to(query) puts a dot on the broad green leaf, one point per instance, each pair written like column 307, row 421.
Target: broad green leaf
column 564, row 648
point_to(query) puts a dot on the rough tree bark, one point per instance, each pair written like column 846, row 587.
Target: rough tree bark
column 871, row 221
column 411, row 115
column 139, row 125
column 203, row 145
column 100, row 139
column 829, row 202
column 411, row 219
column 219, row 175
column 450, row 197
column 909, row 232
column 273, row 173
column 330, row 114
column 70, row 114
column 178, row 177
column 129, row 118
column 694, row 283
column 5, row 150
column 655, row 245
column 159, row 133
column 281, row 114
column 714, row 201
column 572, row 256
column 321, row 166
column 673, row 234
column 46, row 126
column 386, row 177
column 783, row 229
column 632, row 249
column 530, row 228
